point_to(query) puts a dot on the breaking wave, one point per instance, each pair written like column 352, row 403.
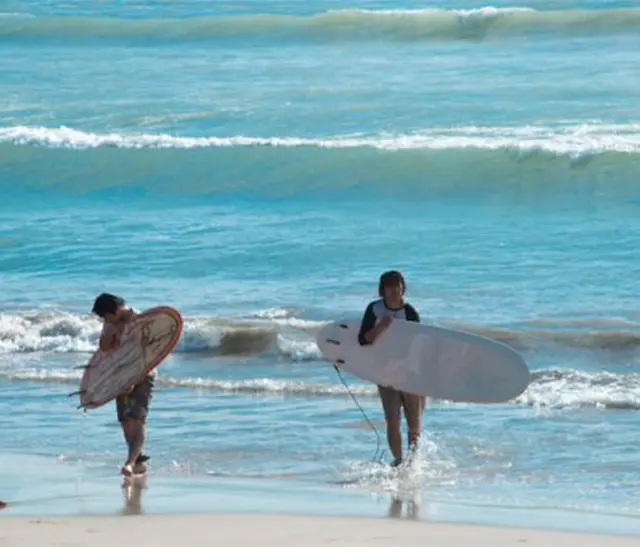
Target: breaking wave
column 335, row 25
column 284, row 336
column 598, row 157
column 291, row 337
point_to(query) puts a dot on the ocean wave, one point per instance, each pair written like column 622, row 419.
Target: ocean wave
column 568, row 389
column 570, row 140
column 335, row 25
column 594, row 335
column 285, row 336
column 554, row 389
column 603, row 158
column 279, row 332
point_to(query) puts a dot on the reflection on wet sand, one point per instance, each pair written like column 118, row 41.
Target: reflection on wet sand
column 396, row 506
column 132, row 491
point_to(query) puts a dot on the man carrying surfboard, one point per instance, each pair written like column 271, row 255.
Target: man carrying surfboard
column 132, row 406
column 377, row 317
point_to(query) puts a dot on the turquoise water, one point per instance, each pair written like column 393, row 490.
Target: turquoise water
column 257, row 165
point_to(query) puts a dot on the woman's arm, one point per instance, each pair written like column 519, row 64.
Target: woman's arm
column 367, row 324
column 411, row 313
column 369, row 330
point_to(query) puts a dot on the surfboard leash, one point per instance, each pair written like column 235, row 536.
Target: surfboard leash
column 379, row 453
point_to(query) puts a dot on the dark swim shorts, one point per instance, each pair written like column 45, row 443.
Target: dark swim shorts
column 135, row 405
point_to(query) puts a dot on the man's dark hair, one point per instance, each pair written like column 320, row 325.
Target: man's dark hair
column 107, row 303
column 392, row 277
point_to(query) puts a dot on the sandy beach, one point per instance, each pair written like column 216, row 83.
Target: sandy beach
column 276, row 530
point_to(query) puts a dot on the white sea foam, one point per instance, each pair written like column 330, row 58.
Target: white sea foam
column 561, row 140
column 555, row 389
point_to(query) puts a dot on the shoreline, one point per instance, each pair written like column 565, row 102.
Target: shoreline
column 198, row 497
column 282, row 530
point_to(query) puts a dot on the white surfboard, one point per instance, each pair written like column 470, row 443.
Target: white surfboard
column 439, row 363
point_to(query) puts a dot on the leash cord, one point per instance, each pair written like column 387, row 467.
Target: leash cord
column 379, row 453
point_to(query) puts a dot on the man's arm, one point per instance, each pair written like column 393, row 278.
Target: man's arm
column 110, row 337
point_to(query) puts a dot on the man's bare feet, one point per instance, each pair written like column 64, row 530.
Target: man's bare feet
column 126, row 470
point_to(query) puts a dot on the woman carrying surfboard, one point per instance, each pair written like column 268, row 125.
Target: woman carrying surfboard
column 132, row 406
column 376, row 319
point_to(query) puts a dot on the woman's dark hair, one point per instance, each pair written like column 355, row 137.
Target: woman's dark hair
column 392, row 277
column 107, row 303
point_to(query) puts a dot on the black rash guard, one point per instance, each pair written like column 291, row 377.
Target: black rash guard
column 378, row 309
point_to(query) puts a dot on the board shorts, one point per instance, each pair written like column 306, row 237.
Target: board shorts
column 135, row 405
column 393, row 401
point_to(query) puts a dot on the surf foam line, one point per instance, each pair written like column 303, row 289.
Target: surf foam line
column 538, row 159
column 350, row 25
column 549, row 389
column 570, row 139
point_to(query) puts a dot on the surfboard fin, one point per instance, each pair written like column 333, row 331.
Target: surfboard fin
column 343, row 326
column 336, row 342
